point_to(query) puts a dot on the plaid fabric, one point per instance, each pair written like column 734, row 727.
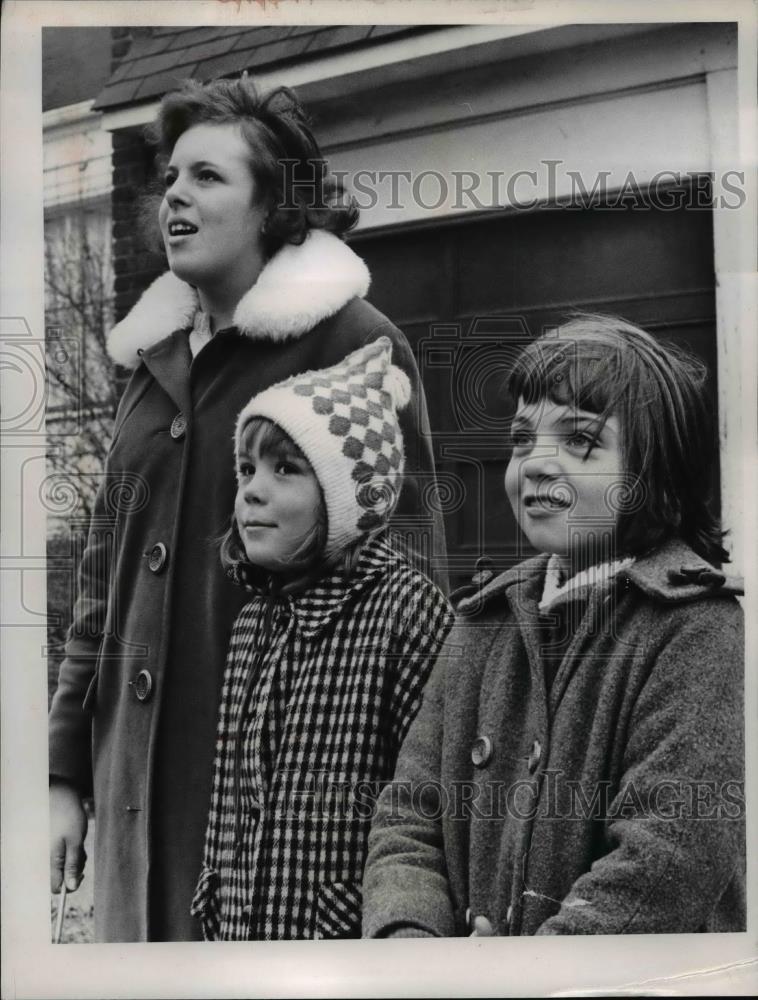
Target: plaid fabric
column 324, row 685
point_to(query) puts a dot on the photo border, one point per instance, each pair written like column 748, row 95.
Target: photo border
column 31, row 966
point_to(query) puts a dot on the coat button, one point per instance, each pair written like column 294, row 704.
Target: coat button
column 178, row 427
column 534, row 756
column 484, row 571
column 481, row 751
column 143, row 685
column 157, row 557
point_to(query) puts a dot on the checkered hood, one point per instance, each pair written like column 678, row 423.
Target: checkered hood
column 344, row 419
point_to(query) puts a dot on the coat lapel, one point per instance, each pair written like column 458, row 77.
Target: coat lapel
column 313, row 612
column 522, row 597
column 317, row 608
column 169, row 364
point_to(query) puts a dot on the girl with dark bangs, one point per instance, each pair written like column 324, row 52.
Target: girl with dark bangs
column 604, row 365
column 577, row 765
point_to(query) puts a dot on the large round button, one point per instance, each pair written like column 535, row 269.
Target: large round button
column 143, row 685
column 481, row 751
column 178, row 427
column 534, row 756
column 157, row 557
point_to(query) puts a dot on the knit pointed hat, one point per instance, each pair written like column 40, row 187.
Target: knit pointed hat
column 344, row 420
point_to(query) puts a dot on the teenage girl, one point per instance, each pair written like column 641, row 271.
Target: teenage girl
column 327, row 661
column 577, row 764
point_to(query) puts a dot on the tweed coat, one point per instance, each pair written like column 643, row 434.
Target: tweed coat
column 151, row 625
column 319, row 690
column 614, row 804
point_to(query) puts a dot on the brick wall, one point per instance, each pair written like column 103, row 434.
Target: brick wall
column 135, row 261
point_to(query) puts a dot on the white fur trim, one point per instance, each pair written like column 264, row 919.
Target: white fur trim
column 398, row 385
column 299, row 287
column 167, row 305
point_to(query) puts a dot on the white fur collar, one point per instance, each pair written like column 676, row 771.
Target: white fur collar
column 299, row 287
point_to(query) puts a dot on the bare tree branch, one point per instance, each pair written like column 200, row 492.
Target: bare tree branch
column 82, row 387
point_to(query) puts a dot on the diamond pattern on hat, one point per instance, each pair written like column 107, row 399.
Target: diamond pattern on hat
column 358, row 412
column 346, row 424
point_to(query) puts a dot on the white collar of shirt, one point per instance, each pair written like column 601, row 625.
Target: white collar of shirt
column 200, row 334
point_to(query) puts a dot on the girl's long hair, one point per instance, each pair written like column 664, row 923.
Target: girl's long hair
column 606, row 366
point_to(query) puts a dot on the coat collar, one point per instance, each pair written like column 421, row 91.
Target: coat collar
column 318, row 607
column 671, row 574
column 556, row 589
column 299, row 287
column 315, row 607
column 674, row 573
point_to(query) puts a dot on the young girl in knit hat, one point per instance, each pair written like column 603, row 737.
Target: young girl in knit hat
column 328, row 660
column 577, row 765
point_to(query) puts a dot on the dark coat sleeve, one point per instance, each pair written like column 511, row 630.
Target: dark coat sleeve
column 418, row 516
column 676, row 826
column 69, row 726
column 405, row 881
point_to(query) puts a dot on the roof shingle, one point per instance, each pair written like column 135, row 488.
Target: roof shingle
column 194, row 36
column 151, row 46
column 155, row 62
column 336, row 37
column 163, row 82
column 139, row 69
column 261, row 36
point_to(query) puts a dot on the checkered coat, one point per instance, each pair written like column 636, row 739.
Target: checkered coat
column 319, row 690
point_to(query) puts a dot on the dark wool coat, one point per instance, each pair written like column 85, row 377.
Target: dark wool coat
column 319, row 691
column 613, row 805
column 154, row 612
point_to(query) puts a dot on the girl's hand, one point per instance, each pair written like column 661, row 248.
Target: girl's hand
column 68, row 828
column 482, row 928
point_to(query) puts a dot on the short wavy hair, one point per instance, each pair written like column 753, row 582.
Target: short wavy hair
column 607, row 366
column 289, row 170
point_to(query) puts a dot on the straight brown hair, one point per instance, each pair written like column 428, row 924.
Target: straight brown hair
column 606, row 366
